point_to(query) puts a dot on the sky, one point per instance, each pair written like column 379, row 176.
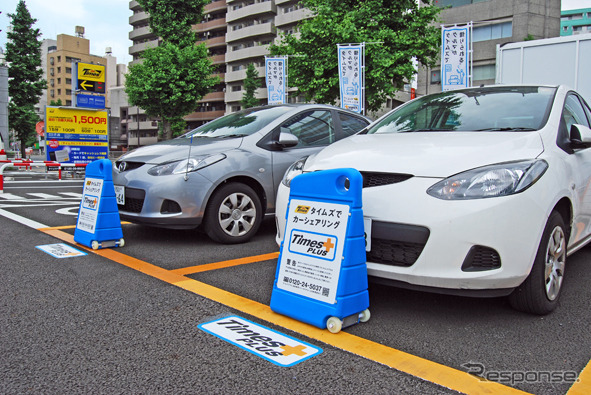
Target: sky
column 106, row 22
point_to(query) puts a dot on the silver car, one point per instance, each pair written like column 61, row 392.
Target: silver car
column 223, row 176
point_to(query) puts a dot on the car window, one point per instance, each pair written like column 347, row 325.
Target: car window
column 241, row 123
column 472, row 110
column 312, row 128
column 573, row 112
column 351, row 124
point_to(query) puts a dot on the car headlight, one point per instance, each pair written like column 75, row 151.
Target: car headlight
column 296, row 169
column 502, row 179
column 185, row 165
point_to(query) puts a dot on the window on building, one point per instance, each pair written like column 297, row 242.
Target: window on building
column 492, row 32
column 484, row 72
column 51, row 60
column 235, row 108
column 435, row 76
column 236, row 88
column 68, row 80
column 68, row 70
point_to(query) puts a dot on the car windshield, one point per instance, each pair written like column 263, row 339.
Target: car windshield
column 239, row 124
column 501, row 108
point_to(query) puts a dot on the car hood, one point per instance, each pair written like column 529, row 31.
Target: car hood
column 427, row 154
column 176, row 149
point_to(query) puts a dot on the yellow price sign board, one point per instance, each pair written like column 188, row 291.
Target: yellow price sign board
column 81, row 136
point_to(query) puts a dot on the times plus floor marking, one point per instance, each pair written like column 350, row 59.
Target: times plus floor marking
column 433, row 372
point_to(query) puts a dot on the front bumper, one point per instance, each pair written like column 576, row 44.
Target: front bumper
column 509, row 226
column 163, row 201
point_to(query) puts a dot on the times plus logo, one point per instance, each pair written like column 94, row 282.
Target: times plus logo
column 269, row 344
column 313, row 244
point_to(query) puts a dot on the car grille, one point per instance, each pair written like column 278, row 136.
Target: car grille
column 134, row 200
column 128, row 165
column 396, row 244
column 375, row 179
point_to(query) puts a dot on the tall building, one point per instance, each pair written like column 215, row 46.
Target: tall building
column 60, row 59
column 494, row 23
column 575, row 22
column 237, row 33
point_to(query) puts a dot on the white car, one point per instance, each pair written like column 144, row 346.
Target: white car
column 480, row 191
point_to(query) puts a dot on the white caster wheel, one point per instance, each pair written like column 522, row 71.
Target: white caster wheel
column 364, row 316
column 121, row 242
column 95, row 245
column 334, row 325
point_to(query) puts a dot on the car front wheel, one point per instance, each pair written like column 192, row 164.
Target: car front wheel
column 233, row 214
column 540, row 291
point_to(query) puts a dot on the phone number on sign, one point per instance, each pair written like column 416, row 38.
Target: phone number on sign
column 302, row 284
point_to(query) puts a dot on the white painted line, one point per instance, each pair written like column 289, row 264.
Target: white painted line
column 45, row 196
column 72, row 194
column 9, row 196
column 25, row 221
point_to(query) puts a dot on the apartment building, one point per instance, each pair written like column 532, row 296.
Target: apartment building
column 60, row 58
column 494, row 22
column 575, row 22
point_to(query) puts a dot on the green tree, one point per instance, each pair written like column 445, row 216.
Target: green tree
column 169, row 82
column 251, row 83
column 56, row 103
column 172, row 77
column 25, row 75
column 171, row 20
column 395, row 33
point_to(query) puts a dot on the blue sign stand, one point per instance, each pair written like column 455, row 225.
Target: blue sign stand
column 98, row 224
column 321, row 276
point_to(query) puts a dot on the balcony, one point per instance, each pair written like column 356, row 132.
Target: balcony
column 240, row 75
column 204, row 115
column 133, row 141
column 209, row 25
column 215, row 42
column 139, row 17
column 137, row 48
column 218, row 59
column 292, row 17
column 250, row 11
column 214, row 6
column 251, row 31
column 142, row 32
column 231, row 97
column 213, row 96
column 247, row 53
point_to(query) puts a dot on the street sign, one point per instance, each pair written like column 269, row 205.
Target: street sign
column 91, row 77
column 90, row 101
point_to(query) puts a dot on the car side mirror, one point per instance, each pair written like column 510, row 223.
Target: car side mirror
column 286, row 139
column 580, row 136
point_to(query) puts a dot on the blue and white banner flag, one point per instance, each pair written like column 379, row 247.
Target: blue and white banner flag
column 276, row 77
column 456, row 57
column 351, row 76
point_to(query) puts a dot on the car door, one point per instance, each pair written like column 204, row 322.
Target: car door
column 315, row 129
column 577, row 112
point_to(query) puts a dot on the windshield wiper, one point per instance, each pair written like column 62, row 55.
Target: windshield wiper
column 231, row 136
column 506, row 129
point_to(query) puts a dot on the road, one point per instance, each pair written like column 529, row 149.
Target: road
column 126, row 320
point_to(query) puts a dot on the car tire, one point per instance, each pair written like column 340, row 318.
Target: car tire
column 233, row 215
column 540, row 291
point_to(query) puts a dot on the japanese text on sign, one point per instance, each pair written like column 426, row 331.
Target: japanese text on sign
column 455, row 57
column 313, row 247
column 350, row 77
column 276, row 73
column 81, row 134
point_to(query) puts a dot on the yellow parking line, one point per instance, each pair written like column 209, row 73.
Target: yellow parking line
column 223, row 264
column 436, row 373
column 583, row 386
